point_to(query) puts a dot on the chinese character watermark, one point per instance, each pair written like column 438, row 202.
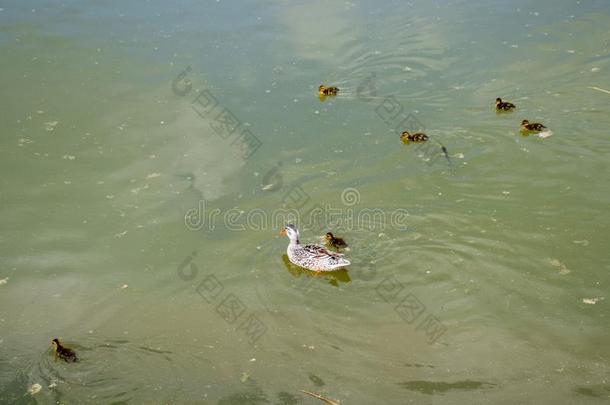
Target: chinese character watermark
column 223, row 121
column 410, row 308
column 227, row 304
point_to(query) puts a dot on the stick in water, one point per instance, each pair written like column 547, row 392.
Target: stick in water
column 443, row 149
column 446, row 154
column 598, row 89
column 320, row 397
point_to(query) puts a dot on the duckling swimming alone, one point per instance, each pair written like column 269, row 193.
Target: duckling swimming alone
column 406, row 137
column 332, row 241
column 328, row 91
column 503, row 105
column 63, row 352
column 534, row 126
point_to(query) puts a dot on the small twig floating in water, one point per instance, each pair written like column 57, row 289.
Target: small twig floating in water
column 320, row 397
column 443, row 149
column 446, row 153
column 598, row 89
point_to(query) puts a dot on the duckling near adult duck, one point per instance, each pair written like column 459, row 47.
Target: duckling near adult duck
column 407, row 137
column 504, row 105
column 335, row 242
column 311, row 257
column 526, row 126
column 328, row 91
column 63, row 352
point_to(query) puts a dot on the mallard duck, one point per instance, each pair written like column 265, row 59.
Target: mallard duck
column 534, row 126
column 63, row 352
column 334, row 242
column 503, row 105
column 406, row 137
column 328, row 91
column 311, row 257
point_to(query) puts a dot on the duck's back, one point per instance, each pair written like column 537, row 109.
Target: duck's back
column 315, row 257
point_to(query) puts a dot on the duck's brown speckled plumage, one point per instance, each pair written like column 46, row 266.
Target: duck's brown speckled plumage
column 335, row 242
column 63, row 352
column 527, row 126
column 311, row 257
column 328, row 91
column 504, row 105
column 407, row 137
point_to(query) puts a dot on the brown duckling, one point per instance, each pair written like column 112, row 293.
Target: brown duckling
column 504, row 105
column 332, row 241
column 534, row 126
column 407, row 137
column 63, row 352
column 328, row 91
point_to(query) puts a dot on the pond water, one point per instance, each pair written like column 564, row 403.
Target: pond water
column 152, row 152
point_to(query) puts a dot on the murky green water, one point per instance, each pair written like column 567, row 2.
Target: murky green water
column 135, row 226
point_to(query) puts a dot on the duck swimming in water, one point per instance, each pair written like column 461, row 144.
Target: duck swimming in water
column 311, row 257
column 504, row 105
column 63, row 352
column 407, row 137
column 328, row 91
column 334, row 242
column 526, row 126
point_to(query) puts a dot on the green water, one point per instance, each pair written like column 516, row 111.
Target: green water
column 147, row 240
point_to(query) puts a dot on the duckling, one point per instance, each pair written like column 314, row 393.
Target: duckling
column 406, row 137
column 503, row 105
column 63, row 352
column 332, row 241
column 328, row 91
column 534, row 126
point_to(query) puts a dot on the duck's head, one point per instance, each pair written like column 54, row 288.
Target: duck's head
column 405, row 135
column 329, row 236
column 321, row 88
column 498, row 100
column 55, row 342
column 524, row 122
column 290, row 231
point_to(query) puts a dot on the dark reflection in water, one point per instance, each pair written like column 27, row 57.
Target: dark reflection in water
column 441, row 387
column 254, row 396
column 286, row 398
column 595, row 391
column 317, row 381
column 334, row 278
column 417, row 365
